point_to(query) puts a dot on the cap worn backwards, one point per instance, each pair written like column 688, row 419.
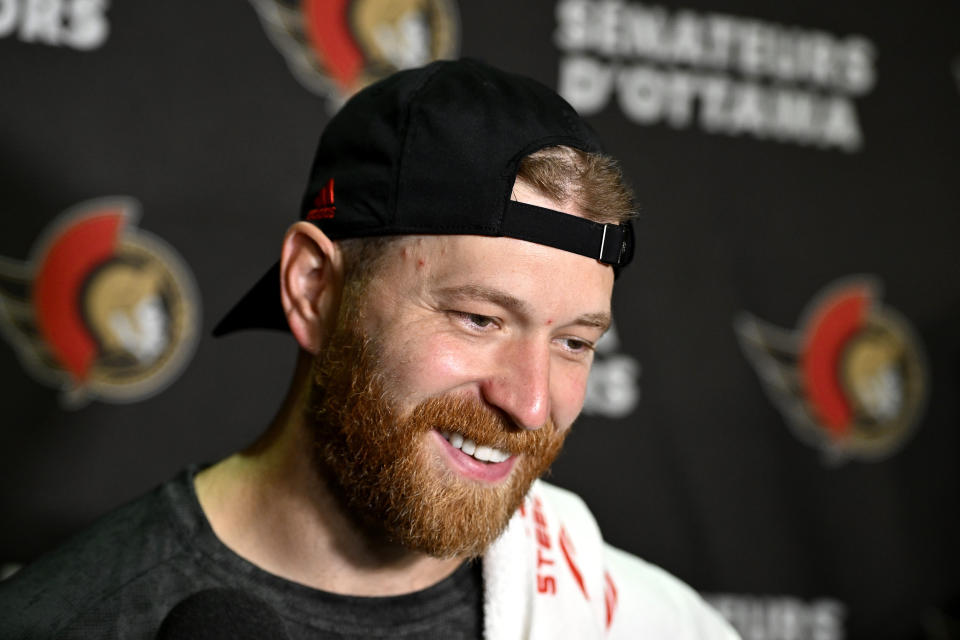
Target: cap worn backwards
column 435, row 150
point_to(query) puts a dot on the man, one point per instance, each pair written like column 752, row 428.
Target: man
column 452, row 273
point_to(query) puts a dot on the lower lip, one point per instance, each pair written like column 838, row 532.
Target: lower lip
column 488, row 472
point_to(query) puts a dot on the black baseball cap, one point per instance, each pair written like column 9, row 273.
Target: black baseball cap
column 435, row 150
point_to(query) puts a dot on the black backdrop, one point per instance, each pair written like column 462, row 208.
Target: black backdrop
column 779, row 154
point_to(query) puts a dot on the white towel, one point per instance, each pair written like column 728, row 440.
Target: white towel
column 550, row 575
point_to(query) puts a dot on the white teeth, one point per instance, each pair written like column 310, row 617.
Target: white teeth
column 469, row 447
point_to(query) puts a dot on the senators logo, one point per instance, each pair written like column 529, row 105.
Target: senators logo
column 102, row 309
column 851, row 380
column 337, row 47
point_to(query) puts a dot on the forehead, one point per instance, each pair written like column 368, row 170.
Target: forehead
column 548, row 280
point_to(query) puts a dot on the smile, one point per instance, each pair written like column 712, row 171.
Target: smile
column 482, row 464
column 481, row 452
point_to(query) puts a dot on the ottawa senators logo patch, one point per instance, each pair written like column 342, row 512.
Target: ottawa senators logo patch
column 851, row 380
column 101, row 309
column 336, row 47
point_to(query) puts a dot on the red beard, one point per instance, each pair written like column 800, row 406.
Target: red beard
column 381, row 466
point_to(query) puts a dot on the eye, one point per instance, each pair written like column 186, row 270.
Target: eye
column 475, row 321
column 576, row 345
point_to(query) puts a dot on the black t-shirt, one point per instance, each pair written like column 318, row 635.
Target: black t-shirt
column 121, row 577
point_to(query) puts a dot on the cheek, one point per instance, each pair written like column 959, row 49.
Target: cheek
column 569, row 388
column 433, row 367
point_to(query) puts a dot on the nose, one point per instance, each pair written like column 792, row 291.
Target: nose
column 520, row 383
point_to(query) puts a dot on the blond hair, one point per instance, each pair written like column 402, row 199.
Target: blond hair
column 592, row 181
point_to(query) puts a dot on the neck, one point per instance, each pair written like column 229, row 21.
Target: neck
column 270, row 505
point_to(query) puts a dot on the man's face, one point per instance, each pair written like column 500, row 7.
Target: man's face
column 456, row 339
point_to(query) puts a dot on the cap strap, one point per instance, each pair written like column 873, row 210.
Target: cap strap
column 609, row 243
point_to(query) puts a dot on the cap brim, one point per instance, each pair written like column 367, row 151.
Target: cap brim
column 260, row 308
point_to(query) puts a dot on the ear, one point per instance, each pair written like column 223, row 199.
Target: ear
column 311, row 284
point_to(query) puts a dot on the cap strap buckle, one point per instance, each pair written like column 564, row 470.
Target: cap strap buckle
column 613, row 244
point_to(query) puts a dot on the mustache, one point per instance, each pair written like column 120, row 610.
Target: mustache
column 484, row 425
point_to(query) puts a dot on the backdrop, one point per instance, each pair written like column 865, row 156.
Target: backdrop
column 774, row 418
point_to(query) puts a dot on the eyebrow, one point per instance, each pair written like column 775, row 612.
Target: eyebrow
column 600, row 320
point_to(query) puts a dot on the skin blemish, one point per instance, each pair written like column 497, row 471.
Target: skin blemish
column 421, row 262
column 549, row 321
